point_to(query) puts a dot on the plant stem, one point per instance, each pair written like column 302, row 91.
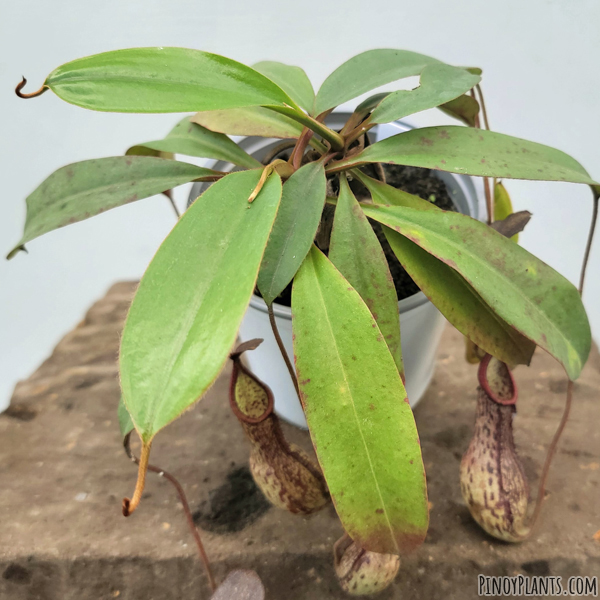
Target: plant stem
column 483, row 109
column 300, row 147
column 489, row 202
column 130, row 505
column 335, row 139
column 486, row 182
column 284, row 354
column 570, row 384
column 169, row 195
column 186, row 510
column 358, row 131
column 588, row 246
column 549, row 457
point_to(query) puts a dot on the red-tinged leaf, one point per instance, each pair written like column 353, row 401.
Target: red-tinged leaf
column 359, row 418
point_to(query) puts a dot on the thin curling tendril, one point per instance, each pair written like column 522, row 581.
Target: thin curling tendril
column 22, row 84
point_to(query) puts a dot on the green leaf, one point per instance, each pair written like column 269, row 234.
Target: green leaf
column 472, row 152
column 84, row 189
column 125, row 422
column 503, row 206
column 452, row 295
column 366, row 106
column 355, row 250
column 359, row 418
column 162, row 80
column 143, row 151
column 254, row 120
column 194, row 140
column 294, row 230
column 366, row 72
column 464, row 108
column 460, row 303
column 186, row 313
column 292, row 80
column 382, row 193
column 438, row 84
column 525, row 292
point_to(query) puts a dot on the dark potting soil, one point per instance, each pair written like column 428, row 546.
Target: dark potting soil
column 232, row 506
column 413, row 180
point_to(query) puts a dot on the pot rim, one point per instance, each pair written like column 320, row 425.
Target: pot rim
column 461, row 184
column 285, row 312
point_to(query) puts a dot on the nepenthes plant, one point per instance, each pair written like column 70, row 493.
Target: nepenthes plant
column 299, row 221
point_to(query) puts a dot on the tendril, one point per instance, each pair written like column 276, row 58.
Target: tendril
column 22, row 84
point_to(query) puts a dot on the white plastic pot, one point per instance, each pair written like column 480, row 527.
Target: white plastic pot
column 421, row 324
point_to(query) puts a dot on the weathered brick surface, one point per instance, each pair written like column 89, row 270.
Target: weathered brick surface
column 63, row 474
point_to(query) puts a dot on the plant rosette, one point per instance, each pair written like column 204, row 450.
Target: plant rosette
column 421, row 323
column 300, row 221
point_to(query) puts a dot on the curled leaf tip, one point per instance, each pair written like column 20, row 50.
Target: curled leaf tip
column 22, row 84
column 15, row 251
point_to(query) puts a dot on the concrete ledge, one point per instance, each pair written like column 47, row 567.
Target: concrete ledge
column 63, row 474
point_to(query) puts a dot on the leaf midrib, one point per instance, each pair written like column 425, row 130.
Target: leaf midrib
column 343, row 371
column 180, row 340
column 500, row 275
column 470, row 289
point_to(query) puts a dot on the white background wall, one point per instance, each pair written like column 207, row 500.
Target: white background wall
column 541, row 60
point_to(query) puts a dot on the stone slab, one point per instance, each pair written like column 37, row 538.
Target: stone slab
column 63, row 474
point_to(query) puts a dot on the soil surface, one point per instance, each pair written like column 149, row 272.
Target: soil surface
column 233, row 505
column 414, row 180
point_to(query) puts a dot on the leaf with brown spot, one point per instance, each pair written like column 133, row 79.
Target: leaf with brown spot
column 355, row 250
column 460, row 303
column 522, row 290
column 188, row 307
column 371, row 458
column 461, row 150
column 84, row 189
column 192, row 139
column 253, row 120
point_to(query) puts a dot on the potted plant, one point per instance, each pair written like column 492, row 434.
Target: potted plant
column 308, row 219
column 420, row 321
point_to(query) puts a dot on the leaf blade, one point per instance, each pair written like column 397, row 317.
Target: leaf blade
column 184, row 318
column 460, row 303
column 125, row 422
column 439, row 84
column 353, row 400
column 253, row 120
column 367, row 71
column 525, row 292
column 192, row 139
column 473, row 152
column 84, row 189
column 159, row 80
column 356, row 252
column 445, row 288
column 464, row 108
column 294, row 229
column 292, row 80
